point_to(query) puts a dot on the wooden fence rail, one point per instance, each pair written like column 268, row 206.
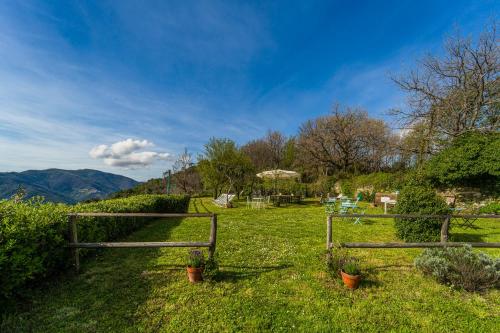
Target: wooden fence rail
column 444, row 232
column 74, row 245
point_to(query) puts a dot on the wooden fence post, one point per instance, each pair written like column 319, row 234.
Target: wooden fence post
column 73, row 236
column 329, row 238
column 213, row 236
column 444, row 229
column 328, row 232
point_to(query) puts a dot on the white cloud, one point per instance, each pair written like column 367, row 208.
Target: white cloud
column 99, row 151
column 127, row 154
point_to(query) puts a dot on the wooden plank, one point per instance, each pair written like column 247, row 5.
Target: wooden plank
column 444, row 229
column 485, row 216
column 138, row 244
column 152, row 215
column 73, row 235
column 213, row 236
column 328, row 232
column 416, row 245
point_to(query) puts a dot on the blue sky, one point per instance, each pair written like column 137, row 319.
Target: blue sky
column 124, row 86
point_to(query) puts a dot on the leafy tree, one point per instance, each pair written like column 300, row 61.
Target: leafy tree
column 224, row 166
column 472, row 159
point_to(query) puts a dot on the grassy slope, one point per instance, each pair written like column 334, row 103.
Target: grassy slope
column 272, row 278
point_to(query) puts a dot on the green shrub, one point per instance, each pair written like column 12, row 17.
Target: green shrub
column 419, row 198
column 471, row 160
column 347, row 187
column 336, row 260
column 460, row 268
column 33, row 234
column 491, row 208
column 211, row 271
column 32, row 240
column 380, row 181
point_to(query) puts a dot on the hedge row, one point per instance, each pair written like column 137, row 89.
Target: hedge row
column 33, row 234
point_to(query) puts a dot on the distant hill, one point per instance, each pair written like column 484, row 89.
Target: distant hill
column 68, row 186
column 152, row 186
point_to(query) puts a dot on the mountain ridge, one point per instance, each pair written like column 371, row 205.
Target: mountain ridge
column 67, row 186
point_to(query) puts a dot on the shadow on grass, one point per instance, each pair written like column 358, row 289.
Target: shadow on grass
column 368, row 282
column 466, row 237
column 111, row 286
column 238, row 273
column 202, row 208
column 388, row 267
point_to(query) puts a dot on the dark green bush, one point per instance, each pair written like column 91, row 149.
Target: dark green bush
column 419, row 198
column 33, row 234
column 460, row 268
column 347, row 187
column 471, row 160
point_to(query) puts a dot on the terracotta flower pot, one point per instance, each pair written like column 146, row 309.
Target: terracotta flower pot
column 350, row 281
column 194, row 274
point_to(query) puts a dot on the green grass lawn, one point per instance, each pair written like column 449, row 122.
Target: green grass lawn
column 272, row 278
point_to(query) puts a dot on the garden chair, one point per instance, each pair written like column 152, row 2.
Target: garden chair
column 258, row 202
column 353, row 206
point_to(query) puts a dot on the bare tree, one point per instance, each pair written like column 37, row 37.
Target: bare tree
column 185, row 177
column 344, row 141
column 259, row 153
column 276, row 142
column 273, row 151
column 456, row 93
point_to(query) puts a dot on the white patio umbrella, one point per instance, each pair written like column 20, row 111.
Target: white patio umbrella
column 278, row 174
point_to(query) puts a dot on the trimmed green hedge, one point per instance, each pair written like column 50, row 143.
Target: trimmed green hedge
column 419, row 198
column 33, row 234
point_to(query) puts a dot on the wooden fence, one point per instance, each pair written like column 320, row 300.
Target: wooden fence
column 444, row 232
column 75, row 245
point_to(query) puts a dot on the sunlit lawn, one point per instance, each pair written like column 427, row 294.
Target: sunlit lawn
column 272, row 278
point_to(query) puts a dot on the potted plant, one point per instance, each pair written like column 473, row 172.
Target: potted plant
column 351, row 275
column 196, row 264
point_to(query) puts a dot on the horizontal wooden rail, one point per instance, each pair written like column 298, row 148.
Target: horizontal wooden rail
column 403, row 216
column 74, row 245
column 138, row 244
column 444, row 232
column 414, row 245
column 151, row 215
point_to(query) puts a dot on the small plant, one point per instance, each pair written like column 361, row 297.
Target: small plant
column 351, row 268
column 336, row 259
column 196, row 265
column 196, row 259
column 211, row 269
column 460, row 268
column 351, row 275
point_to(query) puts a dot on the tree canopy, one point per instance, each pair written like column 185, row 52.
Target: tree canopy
column 471, row 159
